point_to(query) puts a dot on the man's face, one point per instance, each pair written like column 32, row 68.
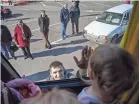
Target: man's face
column 43, row 13
column 57, row 73
column 66, row 6
column 74, row 4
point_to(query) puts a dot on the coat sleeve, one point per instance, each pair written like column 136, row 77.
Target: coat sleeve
column 39, row 22
column 61, row 16
column 15, row 35
column 48, row 22
column 70, row 12
column 9, row 34
column 79, row 12
column 68, row 15
column 29, row 32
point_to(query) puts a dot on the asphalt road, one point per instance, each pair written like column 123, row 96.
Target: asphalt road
column 63, row 50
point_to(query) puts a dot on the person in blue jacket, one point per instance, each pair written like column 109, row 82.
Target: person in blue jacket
column 64, row 18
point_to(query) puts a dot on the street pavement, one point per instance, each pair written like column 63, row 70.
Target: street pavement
column 63, row 50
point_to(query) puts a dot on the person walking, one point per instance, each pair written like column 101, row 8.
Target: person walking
column 6, row 41
column 22, row 35
column 43, row 22
column 2, row 14
column 64, row 18
column 75, row 15
column 10, row 2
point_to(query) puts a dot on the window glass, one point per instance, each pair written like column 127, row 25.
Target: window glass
column 42, row 49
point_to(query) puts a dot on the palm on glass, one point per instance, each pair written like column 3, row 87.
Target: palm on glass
column 85, row 55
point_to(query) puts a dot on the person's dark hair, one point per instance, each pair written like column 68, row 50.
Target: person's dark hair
column 55, row 64
column 43, row 11
column 20, row 21
column 114, row 69
column 3, row 27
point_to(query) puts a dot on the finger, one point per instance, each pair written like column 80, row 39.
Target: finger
column 82, row 54
column 85, row 51
column 76, row 60
column 85, row 55
column 89, row 52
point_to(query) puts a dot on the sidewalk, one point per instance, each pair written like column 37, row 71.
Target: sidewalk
column 6, row 4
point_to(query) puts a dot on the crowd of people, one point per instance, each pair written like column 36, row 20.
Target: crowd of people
column 111, row 71
column 22, row 35
column 22, row 32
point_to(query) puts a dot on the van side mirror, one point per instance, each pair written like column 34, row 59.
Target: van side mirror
column 124, row 22
column 98, row 16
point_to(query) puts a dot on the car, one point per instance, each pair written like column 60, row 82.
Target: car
column 109, row 25
column 7, row 12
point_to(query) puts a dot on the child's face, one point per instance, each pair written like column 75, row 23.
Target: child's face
column 24, row 93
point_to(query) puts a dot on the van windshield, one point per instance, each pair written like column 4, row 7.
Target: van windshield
column 40, row 38
column 110, row 18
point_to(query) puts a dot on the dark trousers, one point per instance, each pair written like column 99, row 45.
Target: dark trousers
column 26, row 51
column 10, row 2
column 76, row 23
column 45, row 34
column 2, row 16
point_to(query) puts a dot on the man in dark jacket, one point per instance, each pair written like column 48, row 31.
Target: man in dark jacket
column 6, row 40
column 2, row 14
column 75, row 15
column 64, row 18
column 43, row 22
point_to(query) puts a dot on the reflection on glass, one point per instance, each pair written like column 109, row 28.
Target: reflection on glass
column 110, row 18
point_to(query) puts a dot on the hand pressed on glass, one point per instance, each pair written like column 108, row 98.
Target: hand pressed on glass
column 83, row 62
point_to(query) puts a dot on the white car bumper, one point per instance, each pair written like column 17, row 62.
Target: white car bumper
column 94, row 38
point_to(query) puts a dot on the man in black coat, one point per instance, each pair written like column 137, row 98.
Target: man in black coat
column 6, row 41
column 2, row 14
column 43, row 22
column 75, row 15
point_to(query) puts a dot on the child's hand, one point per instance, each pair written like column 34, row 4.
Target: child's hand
column 35, row 90
column 85, row 55
column 19, row 82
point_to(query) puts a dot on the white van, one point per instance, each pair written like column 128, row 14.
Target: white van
column 110, row 24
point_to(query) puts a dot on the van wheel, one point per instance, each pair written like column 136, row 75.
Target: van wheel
column 108, row 41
